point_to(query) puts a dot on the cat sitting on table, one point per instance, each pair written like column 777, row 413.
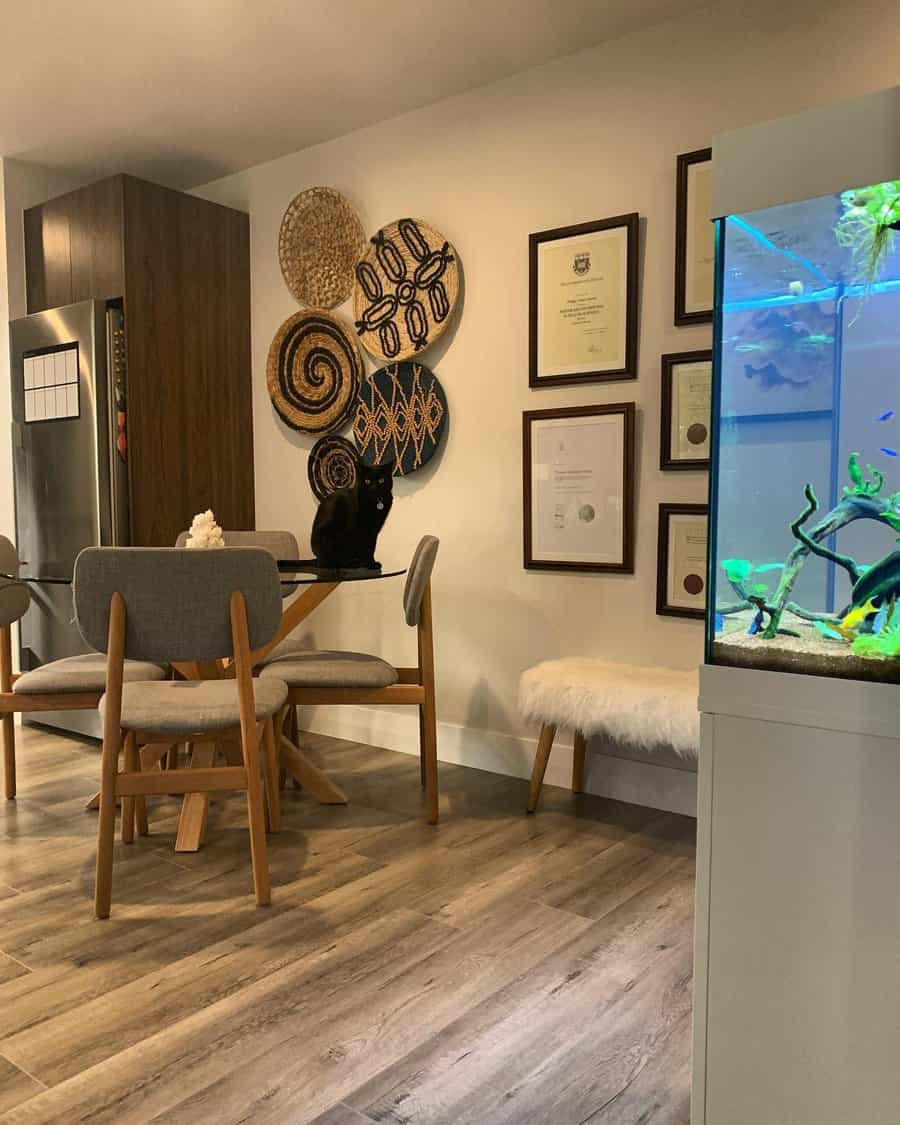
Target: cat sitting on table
column 348, row 521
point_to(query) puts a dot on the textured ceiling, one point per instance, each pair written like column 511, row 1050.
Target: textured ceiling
column 185, row 92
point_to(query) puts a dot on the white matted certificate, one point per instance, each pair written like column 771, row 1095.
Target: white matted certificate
column 682, row 560
column 583, row 314
column 578, row 488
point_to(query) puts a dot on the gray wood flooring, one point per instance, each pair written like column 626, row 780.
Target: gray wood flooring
column 497, row 970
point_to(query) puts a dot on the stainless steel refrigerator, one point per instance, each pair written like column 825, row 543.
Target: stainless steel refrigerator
column 70, row 454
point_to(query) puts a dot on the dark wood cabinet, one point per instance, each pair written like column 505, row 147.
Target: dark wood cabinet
column 182, row 265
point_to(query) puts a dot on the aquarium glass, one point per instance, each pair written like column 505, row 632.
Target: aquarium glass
column 805, row 489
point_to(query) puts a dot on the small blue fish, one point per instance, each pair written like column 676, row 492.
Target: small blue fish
column 886, row 417
column 719, row 624
column 887, row 452
column 756, row 623
column 880, row 618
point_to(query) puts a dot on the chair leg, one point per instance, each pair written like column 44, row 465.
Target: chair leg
column 140, row 802
column 131, row 765
column 9, row 756
column 578, row 763
column 272, row 773
column 256, row 815
column 106, row 827
column 429, row 758
column 545, row 745
column 422, row 746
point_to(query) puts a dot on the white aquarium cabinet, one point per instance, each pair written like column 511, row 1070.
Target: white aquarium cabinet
column 797, row 994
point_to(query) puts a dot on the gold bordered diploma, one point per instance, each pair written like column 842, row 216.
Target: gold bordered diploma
column 691, row 390
column 687, row 561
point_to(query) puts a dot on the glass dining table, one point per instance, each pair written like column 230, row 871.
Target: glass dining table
column 318, row 584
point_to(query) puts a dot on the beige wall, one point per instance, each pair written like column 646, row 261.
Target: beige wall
column 590, row 136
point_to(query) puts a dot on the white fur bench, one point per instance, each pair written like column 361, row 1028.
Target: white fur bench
column 645, row 707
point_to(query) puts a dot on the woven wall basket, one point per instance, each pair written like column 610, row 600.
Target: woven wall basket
column 320, row 241
column 405, row 290
column 314, row 372
column 333, row 463
column 400, row 417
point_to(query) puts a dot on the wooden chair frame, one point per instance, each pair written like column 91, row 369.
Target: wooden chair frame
column 12, row 704
column 133, row 785
column 415, row 688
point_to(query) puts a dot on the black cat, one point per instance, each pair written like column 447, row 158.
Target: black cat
column 348, row 521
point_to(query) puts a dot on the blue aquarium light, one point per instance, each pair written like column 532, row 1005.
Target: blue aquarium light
column 830, row 294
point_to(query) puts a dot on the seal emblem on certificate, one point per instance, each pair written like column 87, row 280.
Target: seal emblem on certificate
column 583, row 302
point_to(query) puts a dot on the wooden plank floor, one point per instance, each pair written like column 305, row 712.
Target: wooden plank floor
column 497, row 970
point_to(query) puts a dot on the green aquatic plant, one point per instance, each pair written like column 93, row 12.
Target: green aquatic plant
column 861, row 487
column 737, row 570
column 869, row 218
column 880, row 644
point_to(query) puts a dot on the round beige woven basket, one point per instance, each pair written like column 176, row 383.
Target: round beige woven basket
column 320, row 241
column 405, row 290
column 314, row 372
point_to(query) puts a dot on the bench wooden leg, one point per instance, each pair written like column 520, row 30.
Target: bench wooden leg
column 545, row 745
column 578, row 763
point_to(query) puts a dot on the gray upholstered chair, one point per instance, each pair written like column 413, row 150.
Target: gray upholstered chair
column 186, row 607
column 280, row 545
column 75, row 683
column 322, row 678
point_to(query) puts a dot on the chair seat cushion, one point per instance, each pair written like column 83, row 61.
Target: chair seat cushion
column 85, row 673
column 314, row 668
column 190, row 706
column 290, row 646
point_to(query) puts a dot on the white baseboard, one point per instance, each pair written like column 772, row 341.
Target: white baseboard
column 641, row 783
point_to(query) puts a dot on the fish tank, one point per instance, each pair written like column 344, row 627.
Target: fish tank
column 805, row 476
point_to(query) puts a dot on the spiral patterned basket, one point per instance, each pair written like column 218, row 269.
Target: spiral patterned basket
column 333, row 463
column 400, row 417
column 314, row 372
column 406, row 288
column 320, row 241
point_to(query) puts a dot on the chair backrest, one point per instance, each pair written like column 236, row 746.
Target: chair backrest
column 279, row 544
column 15, row 597
column 418, row 576
column 177, row 603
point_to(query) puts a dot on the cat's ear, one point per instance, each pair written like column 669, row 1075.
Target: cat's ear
column 388, row 467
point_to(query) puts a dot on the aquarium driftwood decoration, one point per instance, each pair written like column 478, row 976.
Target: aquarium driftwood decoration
column 879, row 583
column 860, row 501
column 866, row 227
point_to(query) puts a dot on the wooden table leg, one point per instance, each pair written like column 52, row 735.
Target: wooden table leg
column 310, row 777
column 194, row 808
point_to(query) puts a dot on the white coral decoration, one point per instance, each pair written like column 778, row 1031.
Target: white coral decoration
column 205, row 532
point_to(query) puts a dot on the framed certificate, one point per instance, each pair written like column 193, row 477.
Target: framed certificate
column 583, row 303
column 681, row 560
column 695, row 254
column 686, row 387
column 578, row 487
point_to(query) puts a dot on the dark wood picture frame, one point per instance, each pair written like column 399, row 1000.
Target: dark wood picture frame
column 685, row 160
column 666, row 511
column 628, row 413
column 631, row 223
column 668, row 363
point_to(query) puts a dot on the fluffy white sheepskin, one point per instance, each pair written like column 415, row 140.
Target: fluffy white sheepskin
column 647, row 707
